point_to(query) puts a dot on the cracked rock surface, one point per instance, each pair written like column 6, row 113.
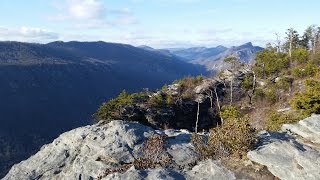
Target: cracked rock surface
column 86, row 152
column 293, row 153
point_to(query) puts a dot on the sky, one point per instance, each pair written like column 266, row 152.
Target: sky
column 156, row 23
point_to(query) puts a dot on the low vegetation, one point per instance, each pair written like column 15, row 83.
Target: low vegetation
column 230, row 112
column 154, row 155
column 308, row 101
column 275, row 119
column 233, row 139
column 111, row 110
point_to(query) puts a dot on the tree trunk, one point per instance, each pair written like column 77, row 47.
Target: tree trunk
column 196, row 128
column 278, row 43
column 314, row 47
column 290, row 46
column 218, row 103
column 231, row 91
column 263, row 71
column 211, row 96
column 253, row 88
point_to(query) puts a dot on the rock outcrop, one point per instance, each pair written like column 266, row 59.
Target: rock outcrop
column 293, row 153
column 176, row 106
column 91, row 151
column 87, row 152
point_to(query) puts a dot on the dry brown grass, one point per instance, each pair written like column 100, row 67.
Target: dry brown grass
column 234, row 138
column 154, row 155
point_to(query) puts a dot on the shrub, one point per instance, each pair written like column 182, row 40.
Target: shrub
column 298, row 72
column 110, row 110
column 154, row 155
column 198, row 79
column 308, row 102
column 164, row 88
column 275, row 120
column 230, row 112
column 169, row 99
column 161, row 100
column 233, row 138
column 187, row 85
column 189, row 81
column 309, row 69
column 259, row 94
column 157, row 100
column 247, row 82
column 271, row 95
column 284, row 83
column 300, row 55
column 269, row 62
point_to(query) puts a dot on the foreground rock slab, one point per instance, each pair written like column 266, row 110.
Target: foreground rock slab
column 206, row 170
column 293, row 153
column 86, row 152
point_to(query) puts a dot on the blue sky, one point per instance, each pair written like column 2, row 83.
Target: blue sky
column 157, row 23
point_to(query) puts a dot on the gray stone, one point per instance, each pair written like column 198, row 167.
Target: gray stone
column 208, row 170
column 149, row 174
column 87, row 152
column 308, row 128
column 291, row 157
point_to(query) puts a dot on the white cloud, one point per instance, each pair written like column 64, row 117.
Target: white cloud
column 86, row 9
column 91, row 14
column 27, row 34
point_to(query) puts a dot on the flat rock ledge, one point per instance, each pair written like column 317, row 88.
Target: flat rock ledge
column 86, row 152
column 293, row 153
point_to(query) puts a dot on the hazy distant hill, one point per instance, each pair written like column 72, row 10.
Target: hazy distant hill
column 191, row 54
column 212, row 58
column 50, row 88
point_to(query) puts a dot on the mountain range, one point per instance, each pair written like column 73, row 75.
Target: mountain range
column 212, row 58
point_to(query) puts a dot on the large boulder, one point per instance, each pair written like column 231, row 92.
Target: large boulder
column 293, row 153
column 87, row 152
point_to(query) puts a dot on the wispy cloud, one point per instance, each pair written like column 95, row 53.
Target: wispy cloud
column 29, row 34
column 91, row 14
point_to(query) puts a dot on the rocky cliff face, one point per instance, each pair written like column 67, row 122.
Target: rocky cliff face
column 185, row 95
column 87, row 152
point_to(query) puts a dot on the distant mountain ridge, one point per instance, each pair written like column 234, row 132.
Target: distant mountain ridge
column 212, row 58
